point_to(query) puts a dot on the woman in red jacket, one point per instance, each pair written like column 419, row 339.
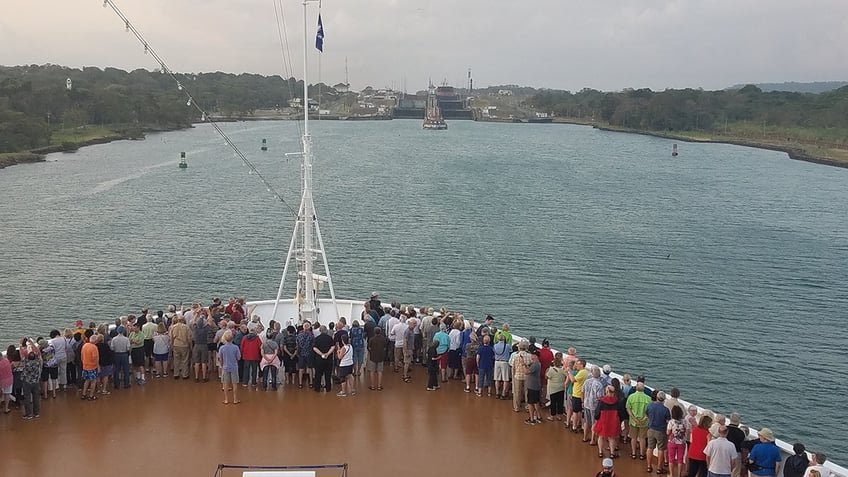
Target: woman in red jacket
column 251, row 353
column 607, row 422
column 700, row 437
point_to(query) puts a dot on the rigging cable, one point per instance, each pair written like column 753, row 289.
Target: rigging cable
column 191, row 102
column 285, row 53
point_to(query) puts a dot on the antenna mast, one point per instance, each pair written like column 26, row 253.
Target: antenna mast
column 306, row 226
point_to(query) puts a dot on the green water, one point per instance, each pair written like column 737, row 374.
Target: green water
column 721, row 271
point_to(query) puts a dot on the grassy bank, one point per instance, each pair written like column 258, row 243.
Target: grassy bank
column 11, row 158
column 69, row 140
column 822, row 147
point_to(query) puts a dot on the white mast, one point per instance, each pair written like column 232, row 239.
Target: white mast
column 308, row 281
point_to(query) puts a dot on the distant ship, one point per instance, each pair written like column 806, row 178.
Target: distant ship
column 433, row 119
column 451, row 104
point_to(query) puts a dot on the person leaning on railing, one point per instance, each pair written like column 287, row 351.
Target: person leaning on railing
column 764, row 459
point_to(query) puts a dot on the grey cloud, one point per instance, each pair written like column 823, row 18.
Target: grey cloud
column 605, row 44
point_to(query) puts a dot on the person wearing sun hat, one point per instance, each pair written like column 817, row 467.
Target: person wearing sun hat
column 764, row 459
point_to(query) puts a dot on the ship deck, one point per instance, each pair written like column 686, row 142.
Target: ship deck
column 181, row 428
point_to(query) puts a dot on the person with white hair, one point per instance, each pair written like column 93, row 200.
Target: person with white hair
column 408, row 348
column 606, row 378
column 718, row 421
column 518, row 362
column 593, row 389
column 442, row 350
column 636, row 405
column 397, row 336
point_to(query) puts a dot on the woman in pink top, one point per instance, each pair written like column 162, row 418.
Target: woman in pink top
column 6, row 379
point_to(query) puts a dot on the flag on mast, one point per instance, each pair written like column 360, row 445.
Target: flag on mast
column 319, row 37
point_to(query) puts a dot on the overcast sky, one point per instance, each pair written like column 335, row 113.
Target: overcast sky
column 565, row 44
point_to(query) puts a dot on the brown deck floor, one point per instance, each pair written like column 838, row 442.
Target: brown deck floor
column 169, row 428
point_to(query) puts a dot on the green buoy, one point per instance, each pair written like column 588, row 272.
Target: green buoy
column 264, row 145
column 183, row 163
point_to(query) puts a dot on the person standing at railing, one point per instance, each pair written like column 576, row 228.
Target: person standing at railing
column 517, row 362
column 796, row 465
column 180, row 346
column 502, row 351
column 31, row 375
column 817, row 465
column 764, row 459
column 593, row 389
column 737, row 437
column 636, row 405
column 577, row 396
column 485, row 367
column 700, row 436
column 376, row 357
column 324, row 349
column 720, row 454
column 658, row 417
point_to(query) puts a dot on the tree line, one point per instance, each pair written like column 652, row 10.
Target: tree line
column 688, row 110
column 35, row 101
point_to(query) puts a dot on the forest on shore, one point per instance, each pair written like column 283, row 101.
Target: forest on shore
column 51, row 107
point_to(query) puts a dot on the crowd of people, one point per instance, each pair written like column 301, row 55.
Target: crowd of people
column 226, row 343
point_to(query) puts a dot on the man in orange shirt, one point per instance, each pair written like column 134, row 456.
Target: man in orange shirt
column 90, row 365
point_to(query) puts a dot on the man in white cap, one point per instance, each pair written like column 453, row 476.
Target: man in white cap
column 606, row 379
column 606, row 470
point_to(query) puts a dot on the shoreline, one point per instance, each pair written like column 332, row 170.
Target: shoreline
column 40, row 154
column 794, row 152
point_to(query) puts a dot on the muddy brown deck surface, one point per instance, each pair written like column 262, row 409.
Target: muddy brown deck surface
column 181, row 428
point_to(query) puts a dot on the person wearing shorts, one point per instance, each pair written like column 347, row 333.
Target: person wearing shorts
column 658, row 417
column 229, row 355
column 90, row 365
column 137, row 353
column 200, row 360
column 148, row 330
column 305, row 366
column 533, row 385
column 345, row 357
column 502, row 373
column 374, row 366
column 106, row 360
column 49, row 375
column 376, row 350
column 636, row 405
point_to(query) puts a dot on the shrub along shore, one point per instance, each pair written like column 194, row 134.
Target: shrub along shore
column 816, row 153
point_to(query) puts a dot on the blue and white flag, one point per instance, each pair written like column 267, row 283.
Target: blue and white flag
column 319, row 37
